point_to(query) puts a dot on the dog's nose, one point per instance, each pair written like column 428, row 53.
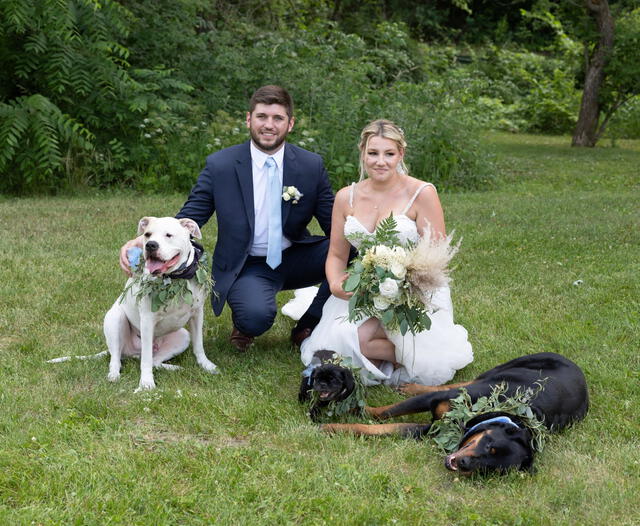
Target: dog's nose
column 152, row 246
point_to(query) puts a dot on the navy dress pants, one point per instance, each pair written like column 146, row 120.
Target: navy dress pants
column 252, row 298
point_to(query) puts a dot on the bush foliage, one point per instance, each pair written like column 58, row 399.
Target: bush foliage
column 95, row 93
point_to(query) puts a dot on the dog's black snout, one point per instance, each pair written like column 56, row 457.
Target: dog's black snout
column 152, row 246
column 464, row 463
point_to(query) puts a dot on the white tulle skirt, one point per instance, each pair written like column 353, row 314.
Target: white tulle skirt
column 430, row 358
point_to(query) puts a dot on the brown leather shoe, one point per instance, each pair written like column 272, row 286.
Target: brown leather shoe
column 297, row 337
column 240, row 341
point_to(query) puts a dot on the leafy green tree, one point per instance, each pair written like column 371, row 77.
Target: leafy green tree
column 68, row 96
column 612, row 79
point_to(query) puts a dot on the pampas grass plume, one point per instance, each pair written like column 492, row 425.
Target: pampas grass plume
column 427, row 268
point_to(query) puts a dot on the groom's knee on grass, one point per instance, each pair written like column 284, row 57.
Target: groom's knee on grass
column 255, row 320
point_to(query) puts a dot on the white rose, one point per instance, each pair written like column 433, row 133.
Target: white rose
column 380, row 303
column 398, row 269
column 286, row 196
column 389, row 288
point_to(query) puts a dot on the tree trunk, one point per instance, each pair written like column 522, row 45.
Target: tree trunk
column 585, row 133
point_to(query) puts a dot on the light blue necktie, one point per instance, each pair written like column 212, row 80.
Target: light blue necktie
column 274, row 196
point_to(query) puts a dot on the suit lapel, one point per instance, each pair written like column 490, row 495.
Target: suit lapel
column 289, row 177
column 244, row 172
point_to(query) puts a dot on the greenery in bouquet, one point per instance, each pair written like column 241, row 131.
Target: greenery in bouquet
column 394, row 282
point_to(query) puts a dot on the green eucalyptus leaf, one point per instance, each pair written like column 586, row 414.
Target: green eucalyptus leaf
column 352, row 282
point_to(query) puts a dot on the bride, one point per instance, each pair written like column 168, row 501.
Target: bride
column 430, row 357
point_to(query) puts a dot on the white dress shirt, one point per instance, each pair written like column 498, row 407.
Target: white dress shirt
column 260, row 205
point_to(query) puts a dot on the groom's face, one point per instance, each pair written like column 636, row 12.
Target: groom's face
column 269, row 125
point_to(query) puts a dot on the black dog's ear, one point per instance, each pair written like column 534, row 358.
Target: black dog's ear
column 348, row 380
column 305, row 388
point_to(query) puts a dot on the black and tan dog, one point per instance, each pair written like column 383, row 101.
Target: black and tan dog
column 330, row 381
column 492, row 441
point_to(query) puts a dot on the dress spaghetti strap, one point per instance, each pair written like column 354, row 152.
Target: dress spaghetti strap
column 406, row 208
column 351, row 191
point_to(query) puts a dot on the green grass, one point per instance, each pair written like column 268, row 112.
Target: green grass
column 237, row 448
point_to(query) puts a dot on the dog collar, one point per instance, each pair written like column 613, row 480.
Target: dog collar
column 503, row 419
column 308, row 371
column 188, row 270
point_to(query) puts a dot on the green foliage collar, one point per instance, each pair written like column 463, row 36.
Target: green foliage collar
column 167, row 290
column 448, row 431
column 354, row 403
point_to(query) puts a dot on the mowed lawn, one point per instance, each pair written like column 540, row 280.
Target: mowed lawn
column 549, row 261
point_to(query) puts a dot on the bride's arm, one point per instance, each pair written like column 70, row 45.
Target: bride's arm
column 338, row 256
column 429, row 212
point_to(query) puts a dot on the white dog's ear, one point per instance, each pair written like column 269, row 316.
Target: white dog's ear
column 143, row 223
column 191, row 226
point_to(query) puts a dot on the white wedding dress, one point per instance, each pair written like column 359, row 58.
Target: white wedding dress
column 430, row 357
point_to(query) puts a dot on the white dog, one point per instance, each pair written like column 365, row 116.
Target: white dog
column 151, row 324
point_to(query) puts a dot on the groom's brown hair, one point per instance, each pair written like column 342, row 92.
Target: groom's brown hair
column 272, row 94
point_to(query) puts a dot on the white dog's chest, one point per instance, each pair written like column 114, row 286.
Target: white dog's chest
column 167, row 319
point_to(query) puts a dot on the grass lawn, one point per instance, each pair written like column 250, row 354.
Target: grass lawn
column 549, row 262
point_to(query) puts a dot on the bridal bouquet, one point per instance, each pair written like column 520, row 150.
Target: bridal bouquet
column 395, row 282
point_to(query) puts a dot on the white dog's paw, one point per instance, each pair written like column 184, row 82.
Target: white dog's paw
column 209, row 366
column 145, row 385
column 113, row 376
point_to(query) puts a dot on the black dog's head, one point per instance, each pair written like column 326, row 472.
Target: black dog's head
column 492, row 446
column 331, row 383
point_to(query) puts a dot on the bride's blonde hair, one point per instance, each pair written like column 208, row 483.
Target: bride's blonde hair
column 387, row 130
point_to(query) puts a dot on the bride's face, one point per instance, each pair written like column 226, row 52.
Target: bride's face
column 381, row 158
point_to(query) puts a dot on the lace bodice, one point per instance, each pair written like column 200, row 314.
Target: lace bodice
column 407, row 229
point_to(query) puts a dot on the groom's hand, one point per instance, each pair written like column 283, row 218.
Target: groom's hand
column 124, row 260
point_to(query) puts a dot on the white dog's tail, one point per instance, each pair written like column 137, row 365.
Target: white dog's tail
column 89, row 357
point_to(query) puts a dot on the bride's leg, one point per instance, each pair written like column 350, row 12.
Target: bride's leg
column 374, row 343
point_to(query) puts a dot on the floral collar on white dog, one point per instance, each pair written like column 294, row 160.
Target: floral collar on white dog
column 291, row 193
column 170, row 288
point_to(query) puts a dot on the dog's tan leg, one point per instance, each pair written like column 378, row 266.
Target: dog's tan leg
column 378, row 412
column 403, row 429
column 416, row 389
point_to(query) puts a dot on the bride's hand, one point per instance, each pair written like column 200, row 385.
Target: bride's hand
column 337, row 288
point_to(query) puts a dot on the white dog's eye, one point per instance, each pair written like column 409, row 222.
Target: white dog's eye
column 169, row 235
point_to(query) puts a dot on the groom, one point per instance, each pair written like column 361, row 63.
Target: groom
column 263, row 244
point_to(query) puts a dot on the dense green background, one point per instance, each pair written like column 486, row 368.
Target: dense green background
column 135, row 94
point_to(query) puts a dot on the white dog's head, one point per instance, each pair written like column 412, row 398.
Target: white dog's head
column 167, row 242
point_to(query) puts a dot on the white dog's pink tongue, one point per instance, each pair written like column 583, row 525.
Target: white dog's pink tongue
column 157, row 266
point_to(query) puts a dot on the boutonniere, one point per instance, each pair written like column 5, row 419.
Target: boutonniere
column 291, row 193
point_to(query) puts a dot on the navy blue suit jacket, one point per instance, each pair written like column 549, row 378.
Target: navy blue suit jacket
column 225, row 186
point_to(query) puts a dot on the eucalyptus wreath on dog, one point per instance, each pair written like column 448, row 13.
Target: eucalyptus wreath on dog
column 352, row 404
column 394, row 282
column 449, row 430
column 164, row 290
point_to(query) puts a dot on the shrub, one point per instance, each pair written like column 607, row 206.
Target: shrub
column 514, row 90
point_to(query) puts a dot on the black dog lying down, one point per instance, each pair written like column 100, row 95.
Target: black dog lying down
column 331, row 383
column 490, row 443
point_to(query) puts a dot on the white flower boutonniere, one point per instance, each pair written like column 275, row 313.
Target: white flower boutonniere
column 291, row 193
